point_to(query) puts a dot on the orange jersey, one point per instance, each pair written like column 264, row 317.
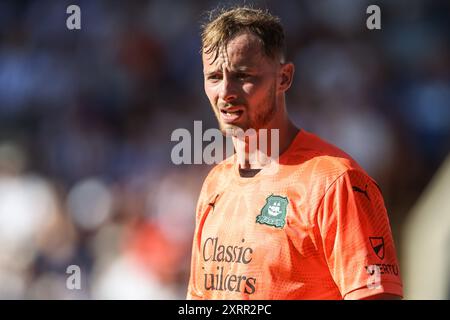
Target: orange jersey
column 317, row 229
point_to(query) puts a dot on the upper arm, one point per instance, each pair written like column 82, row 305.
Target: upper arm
column 357, row 238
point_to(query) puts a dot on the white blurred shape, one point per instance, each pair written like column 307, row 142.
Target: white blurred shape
column 12, row 285
column 124, row 279
column 425, row 262
column 27, row 203
column 175, row 218
column 89, row 203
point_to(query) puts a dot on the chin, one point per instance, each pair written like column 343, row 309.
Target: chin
column 229, row 129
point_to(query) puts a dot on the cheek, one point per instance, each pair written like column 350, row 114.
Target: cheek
column 250, row 90
column 210, row 93
column 256, row 92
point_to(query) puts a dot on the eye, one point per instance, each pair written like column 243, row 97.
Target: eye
column 214, row 77
column 242, row 76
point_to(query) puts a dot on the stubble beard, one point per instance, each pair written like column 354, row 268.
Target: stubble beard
column 263, row 119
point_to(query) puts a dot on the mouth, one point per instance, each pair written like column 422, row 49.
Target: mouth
column 230, row 115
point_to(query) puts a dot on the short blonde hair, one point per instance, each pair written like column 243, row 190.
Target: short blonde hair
column 224, row 24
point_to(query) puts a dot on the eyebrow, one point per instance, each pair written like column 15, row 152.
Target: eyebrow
column 237, row 69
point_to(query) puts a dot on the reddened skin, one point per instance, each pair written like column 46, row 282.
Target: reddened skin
column 286, row 76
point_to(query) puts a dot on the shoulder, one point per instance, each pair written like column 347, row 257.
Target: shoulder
column 218, row 176
column 321, row 162
column 215, row 182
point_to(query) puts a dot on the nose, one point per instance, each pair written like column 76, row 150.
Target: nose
column 227, row 90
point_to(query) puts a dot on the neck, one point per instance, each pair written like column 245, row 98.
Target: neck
column 253, row 152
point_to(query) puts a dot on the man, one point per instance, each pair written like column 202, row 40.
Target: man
column 315, row 228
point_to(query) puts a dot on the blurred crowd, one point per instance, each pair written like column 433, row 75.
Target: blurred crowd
column 86, row 118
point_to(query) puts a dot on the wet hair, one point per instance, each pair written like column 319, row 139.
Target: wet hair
column 223, row 25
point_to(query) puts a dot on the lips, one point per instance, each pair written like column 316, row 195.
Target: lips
column 231, row 114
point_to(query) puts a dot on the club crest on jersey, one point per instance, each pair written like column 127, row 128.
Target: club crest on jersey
column 274, row 211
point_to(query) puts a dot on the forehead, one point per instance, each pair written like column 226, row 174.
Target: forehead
column 244, row 50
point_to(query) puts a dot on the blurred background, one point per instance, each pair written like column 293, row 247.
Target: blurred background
column 86, row 118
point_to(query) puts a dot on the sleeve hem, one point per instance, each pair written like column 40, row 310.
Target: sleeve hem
column 364, row 292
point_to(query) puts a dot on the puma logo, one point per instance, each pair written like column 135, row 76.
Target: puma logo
column 361, row 191
column 213, row 203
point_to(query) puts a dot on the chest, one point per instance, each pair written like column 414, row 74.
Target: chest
column 246, row 226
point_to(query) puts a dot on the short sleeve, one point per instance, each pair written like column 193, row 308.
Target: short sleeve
column 357, row 238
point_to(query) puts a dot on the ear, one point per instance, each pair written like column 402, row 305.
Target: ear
column 286, row 76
